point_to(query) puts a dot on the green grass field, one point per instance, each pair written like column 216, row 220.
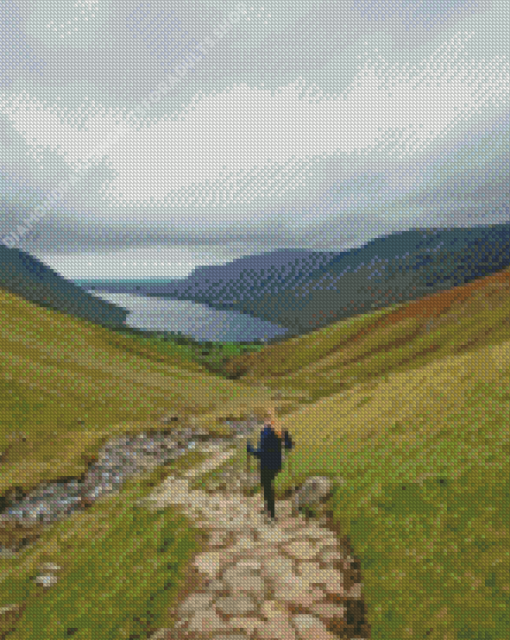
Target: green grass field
column 413, row 416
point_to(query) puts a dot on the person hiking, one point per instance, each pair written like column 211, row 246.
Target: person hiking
column 270, row 455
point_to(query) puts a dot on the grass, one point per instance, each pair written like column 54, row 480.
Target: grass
column 410, row 406
column 425, row 499
column 120, row 568
column 211, row 355
column 56, row 370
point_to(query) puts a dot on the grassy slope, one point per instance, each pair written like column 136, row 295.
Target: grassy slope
column 56, row 370
column 398, row 338
column 413, row 408
column 412, row 411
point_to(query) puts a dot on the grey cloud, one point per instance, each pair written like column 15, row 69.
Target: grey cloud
column 19, row 55
column 412, row 24
column 465, row 196
column 122, row 71
column 104, row 62
column 67, row 235
column 295, row 45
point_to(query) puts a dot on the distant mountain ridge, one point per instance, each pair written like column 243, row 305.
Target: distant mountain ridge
column 304, row 290
column 28, row 277
column 231, row 272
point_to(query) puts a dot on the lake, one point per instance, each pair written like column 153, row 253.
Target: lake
column 190, row 318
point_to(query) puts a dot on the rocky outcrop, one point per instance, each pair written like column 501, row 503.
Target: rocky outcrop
column 314, row 494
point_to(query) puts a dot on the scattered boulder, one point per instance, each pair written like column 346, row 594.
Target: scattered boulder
column 47, row 580
column 314, row 493
column 9, row 616
column 46, row 574
column 86, row 501
column 9, row 608
column 10, row 496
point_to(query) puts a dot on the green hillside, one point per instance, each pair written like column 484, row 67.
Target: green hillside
column 56, row 371
column 411, row 411
column 399, row 338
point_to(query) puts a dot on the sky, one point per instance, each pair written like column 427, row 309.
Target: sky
column 143, row 139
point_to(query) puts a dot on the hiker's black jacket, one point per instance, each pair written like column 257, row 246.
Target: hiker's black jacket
column 269, row 452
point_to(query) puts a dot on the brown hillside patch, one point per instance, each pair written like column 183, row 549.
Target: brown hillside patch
column 442, row 307
column 441, row 302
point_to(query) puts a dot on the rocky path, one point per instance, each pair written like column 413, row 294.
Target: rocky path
column 293, row 579
column 286, row 580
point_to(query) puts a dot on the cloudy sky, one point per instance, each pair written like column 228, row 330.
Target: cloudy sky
column 142, row 139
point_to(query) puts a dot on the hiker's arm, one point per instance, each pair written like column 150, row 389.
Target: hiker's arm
column 253, row 451
column 256, row 452
column 288, row 441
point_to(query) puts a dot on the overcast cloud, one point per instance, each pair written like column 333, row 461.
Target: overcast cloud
column 311, row 125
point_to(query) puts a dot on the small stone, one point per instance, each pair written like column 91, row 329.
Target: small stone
column 312, row 573
column 296, row 590
column 328, row 610
column 309, row 626
column 301, row 550
column 216, row 586
column 218, row 538
column 330, row 556
column 243, row 543
column 278, row 627
column 355, row 591
column 46, row 580
column 194, row 602
column 235, row 605
column 86, row 501
column 252, row 566
column 161, row 634
column 243, row 583
column 317, row 532
column 271, row 534
column 206, row 621
column 9, row 608
column 272, row 609
column 277, row 567
column 244, row 624
column 208, row 563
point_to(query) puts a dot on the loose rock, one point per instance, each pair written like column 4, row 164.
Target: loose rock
column 286, row 580
column 263, row 580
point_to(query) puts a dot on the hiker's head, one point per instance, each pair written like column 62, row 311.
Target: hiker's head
column 270, row 418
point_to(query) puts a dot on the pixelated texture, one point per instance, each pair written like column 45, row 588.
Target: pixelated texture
column 307, row 290
column 335, row 170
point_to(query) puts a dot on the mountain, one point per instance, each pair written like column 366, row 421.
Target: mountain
column 305, row 290
column 405, row 410
column 28, row 277
column 231, row 273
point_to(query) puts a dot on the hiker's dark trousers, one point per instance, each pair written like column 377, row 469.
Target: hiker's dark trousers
column 266, row 480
